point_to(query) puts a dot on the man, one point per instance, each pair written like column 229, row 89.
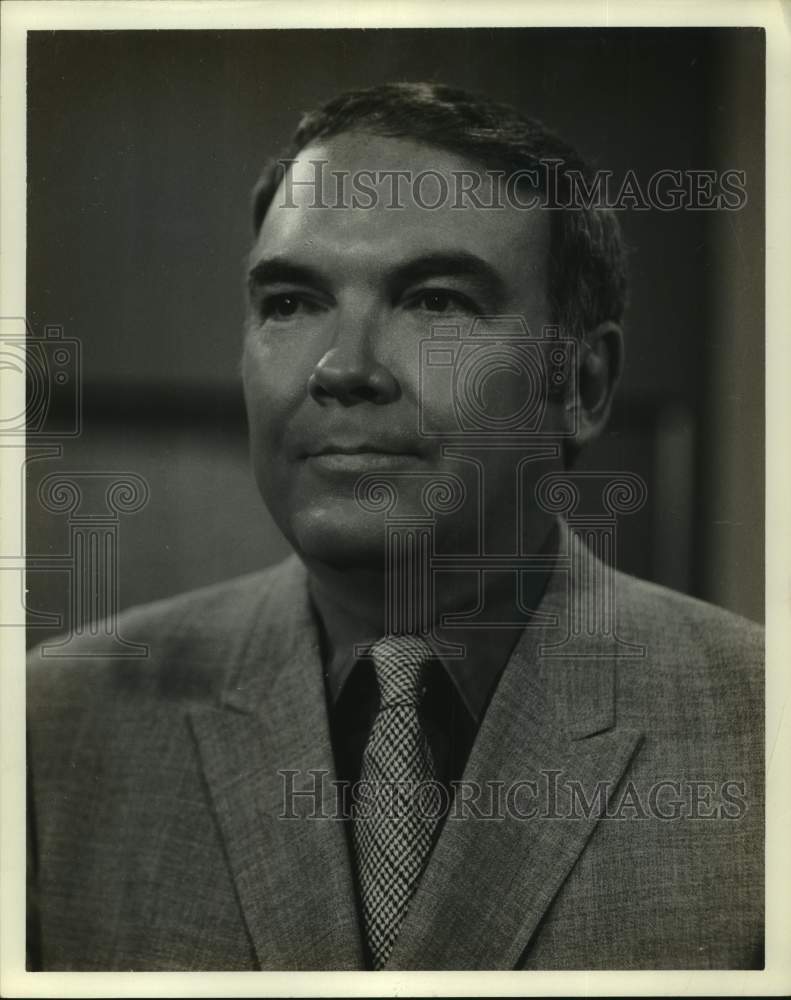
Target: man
column 573, row 758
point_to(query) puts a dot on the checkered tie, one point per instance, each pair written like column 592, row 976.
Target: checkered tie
column 393, row 828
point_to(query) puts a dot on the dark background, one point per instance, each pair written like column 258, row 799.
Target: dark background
column 142, row 150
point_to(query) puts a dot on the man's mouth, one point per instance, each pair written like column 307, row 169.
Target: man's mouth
column 360, row 458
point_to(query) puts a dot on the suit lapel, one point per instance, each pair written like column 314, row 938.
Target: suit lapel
column 293, row 876
column 489, row 881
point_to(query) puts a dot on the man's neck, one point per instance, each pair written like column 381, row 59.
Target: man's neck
column 351, row 604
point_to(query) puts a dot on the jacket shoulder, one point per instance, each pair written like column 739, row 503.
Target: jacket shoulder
column 662, row 615
column 175, row 647
column 700, row 664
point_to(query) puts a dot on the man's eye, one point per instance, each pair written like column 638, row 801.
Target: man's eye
column 283, row 306
column 440, row 301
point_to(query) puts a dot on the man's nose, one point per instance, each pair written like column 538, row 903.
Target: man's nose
column 349, row 372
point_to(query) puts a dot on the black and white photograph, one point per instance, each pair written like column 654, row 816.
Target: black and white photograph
column 390, row 586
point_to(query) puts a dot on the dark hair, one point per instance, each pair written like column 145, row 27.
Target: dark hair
column 587, row 274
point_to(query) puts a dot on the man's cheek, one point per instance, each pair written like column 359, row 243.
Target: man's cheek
column 273, row 389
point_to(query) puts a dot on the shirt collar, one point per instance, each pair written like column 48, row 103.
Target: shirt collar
column 474, row 676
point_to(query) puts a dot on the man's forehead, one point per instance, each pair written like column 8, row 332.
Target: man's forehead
column 376, row 194
column 355, row 151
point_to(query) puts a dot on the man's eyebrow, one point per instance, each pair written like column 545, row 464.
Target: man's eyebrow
column 272, row 270
column 462, row 263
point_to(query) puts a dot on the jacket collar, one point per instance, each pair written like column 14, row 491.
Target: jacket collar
column 488, row 882
column 551, row 726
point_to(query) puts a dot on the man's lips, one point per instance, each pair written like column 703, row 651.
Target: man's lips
column 367, row 448
column 362, row 457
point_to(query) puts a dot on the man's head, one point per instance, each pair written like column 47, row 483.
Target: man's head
column 348, row 280
column 586, row 277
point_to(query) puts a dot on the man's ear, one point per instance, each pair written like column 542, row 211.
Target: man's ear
column 599, row 366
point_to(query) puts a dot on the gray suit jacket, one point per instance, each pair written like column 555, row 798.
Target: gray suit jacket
column 155, row 804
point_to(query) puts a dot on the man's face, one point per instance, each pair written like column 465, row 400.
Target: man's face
column 341, row 300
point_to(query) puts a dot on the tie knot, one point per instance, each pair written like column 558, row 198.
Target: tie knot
column 398, row 662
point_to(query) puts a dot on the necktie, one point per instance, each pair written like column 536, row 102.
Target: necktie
column 393, row 827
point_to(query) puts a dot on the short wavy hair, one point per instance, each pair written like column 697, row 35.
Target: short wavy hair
column 587, row 267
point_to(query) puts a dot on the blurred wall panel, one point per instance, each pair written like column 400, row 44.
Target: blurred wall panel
column 203, row 521
column 732, row 556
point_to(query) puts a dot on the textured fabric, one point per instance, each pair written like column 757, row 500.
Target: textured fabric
column 159, row 838
column 448, row 725
column 473, row 678
column 393, row 830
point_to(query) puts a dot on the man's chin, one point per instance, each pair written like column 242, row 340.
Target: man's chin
column 339, row 543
